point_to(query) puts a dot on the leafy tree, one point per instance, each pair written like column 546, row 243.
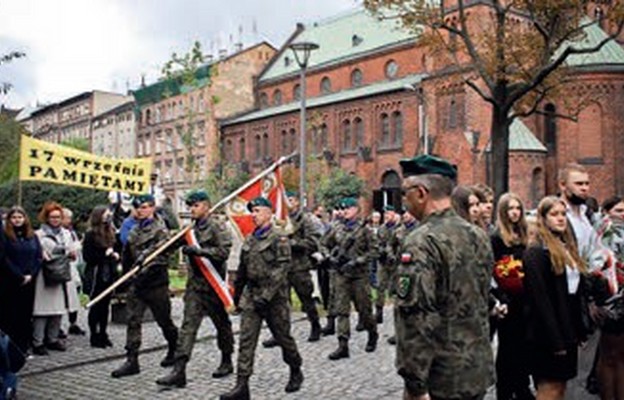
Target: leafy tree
column 76, row 143
column 10, row 132
column 336, row 185
column 221, row 183
column 511, row 55
column 5, row 87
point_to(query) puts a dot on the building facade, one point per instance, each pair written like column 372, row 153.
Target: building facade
column 113, row 132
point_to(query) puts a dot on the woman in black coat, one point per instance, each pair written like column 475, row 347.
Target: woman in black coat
column 22, row 262
column 557, row 312
column 101, row 260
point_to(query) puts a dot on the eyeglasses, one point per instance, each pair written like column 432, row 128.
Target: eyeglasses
column 55, row 216
column 405, row 191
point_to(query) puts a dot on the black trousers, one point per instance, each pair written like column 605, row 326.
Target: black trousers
column 16, row 308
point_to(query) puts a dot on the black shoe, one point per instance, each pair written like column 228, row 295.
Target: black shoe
column 40, row 351
column 341, row 352
column 270, row 343
column 62, row 334
column 106, row 340
column 225, row 368
column 360, row 326
column 177, row 377
column 330, row 328
column 76, row 330
column 315, row 332
column 169, row 359
column 591, row 384
column 97, row 341
column 56, row 346
column 295, row 380
column 371, row 345
column 392, row 340
column 130, row 367
column 239, row 392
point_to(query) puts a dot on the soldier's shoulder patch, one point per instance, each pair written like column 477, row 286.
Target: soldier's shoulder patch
column 404, row 286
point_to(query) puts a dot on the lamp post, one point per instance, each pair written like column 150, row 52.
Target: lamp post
column 422, row 115
column 302, row 51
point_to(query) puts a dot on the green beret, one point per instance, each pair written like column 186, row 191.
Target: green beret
column 388, row 207
column 259, row 202
column 292, row 193
column 143, row 198
column 348, row 202
column 196, row 196
column 426, row 164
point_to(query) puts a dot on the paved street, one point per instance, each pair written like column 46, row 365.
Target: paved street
column 84, row 373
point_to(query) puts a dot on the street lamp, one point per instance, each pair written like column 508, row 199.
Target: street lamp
column 422, row 115
column 302, row 51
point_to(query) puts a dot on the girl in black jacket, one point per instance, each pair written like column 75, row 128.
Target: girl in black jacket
column 100, row 271
column 554, row 284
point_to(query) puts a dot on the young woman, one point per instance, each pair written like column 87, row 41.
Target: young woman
column 467, row 204
column 554, row 284
column 101, row 260
column 17, row 289
column 509, row 240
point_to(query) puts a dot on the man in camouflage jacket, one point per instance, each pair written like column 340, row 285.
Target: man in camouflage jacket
column 388, row 249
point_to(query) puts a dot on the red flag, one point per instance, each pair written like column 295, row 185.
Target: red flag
column 269, row 186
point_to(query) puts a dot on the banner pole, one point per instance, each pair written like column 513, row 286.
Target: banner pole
column 19, row 174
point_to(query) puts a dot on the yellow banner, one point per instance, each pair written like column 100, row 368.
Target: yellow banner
column 47, row 162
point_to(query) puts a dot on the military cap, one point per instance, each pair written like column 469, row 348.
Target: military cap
column 426, row 164
column 348, row 202
column 389, row 207
column 143, row 198
column 196, row 196
column 259, row 202
column 292, row 193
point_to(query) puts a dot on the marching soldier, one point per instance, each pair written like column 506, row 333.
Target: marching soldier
column 149, row 288
column 261, row 292
column 353, row 246
column 441, row 309
column 388, row 249
column 213, row 244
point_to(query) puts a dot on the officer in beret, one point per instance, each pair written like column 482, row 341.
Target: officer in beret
column 149, row 287
column 388, row 249
column 442, row 284
column 304, row 241
column 352, row 246
column 261, row 293
column 214, row 243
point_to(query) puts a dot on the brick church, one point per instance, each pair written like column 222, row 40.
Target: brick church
column 375, row 96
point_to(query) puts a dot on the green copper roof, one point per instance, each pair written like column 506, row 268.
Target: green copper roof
column 344, row 95
column 522, row 139
column 336, row 38
column 611, row 53
column 170, row 87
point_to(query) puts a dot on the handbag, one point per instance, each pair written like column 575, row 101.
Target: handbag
column 57, row 269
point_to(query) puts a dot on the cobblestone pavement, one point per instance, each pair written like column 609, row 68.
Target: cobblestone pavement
column 84, row 373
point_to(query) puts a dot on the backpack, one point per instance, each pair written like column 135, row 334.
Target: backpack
column 11, row 361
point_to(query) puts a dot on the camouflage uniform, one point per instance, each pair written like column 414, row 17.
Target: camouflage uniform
column 150, row 287
column 200, row 299
column 441, row 311
column 262, row 293
column 388, row 249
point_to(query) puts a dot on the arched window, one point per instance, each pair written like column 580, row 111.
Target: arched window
column 228, row 150
column 284, row 143
column 264, row 100
column 356, row 78
column 277, row 97
column 391, row 180
column 358, row 126
column 297, row 92
column 550, row 128
column 148, row 117
column 265, row 145
column 326, row 85
column 241, row 149
column 391, row 69
column 258, row 148
column 324, row 138
column 397, row 122
column 346, row 135
column 590, row 132
column 385, row 130
column 452, row 117
column 537, row 185
column 293, row 140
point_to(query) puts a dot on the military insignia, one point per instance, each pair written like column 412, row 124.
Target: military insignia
column 404, row 286
column 406, row 258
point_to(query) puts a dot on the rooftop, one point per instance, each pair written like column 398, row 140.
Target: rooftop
column 610, row 54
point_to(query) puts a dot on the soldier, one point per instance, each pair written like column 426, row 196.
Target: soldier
column 304, row 241
column 388, row 248
column 353, row 246
column 149, row 287
column 261, row 292
column 441, row 309
column 200, row 298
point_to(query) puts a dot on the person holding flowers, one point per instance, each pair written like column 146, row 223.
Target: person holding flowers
column 509, row 240
column 557, row 312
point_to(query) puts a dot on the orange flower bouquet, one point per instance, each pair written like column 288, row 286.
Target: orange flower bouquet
column 508, row 274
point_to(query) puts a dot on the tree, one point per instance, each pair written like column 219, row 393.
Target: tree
column 76, row 143
column 10, row 132
column 511, row 56
column 5, row 87
column 337, row 185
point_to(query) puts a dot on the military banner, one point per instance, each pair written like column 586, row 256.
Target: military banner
column 47, row 162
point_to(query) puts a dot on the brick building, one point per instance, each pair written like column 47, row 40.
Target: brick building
column 375, row 96
column 113, row 132
column 176, row 123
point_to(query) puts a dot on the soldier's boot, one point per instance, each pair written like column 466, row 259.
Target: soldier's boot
column 342, row 351
column 315, row 331
column 129, row 367
column 240, row 391
column 169, row 359
column 295, row 380
column 330, row 328
column 371, row 344
column 379, row 314
column 225, row 368
column 270, row 343
column 177, row 376
column 392, row 340
column 360, row 325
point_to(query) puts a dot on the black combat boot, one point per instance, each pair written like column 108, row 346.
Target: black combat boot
column 177, row 377
column 342, row 351
column 169, row 359
column 130, row 367
column 360, row 325
column 330, row 328
column 371, row 345
column 392, row 340
column 225, row 368
column 270, row 343
column 379, row 315
column 295, row 380
column 315, row 331
column 240, row 391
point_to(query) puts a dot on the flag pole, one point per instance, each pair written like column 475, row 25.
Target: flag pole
column 19, row 174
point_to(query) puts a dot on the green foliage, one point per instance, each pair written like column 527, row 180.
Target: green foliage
column 336, row 185
column 5, row 87
column 10, row 132
column 76, row 143
column 220, row 184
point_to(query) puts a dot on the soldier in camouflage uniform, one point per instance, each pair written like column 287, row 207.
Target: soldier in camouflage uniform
column 441, row 309
column 304, row 241
column 388, row 249
column 148, row 288
column 353, row 246
column 200, row 298
column 261, row 292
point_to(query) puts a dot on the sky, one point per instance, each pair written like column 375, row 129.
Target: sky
column 73, row 46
